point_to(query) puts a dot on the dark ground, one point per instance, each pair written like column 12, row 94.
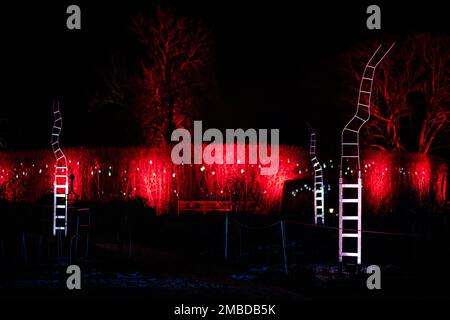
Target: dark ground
column 135, row 255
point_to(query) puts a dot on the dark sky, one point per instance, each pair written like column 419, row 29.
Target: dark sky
column 275, row 65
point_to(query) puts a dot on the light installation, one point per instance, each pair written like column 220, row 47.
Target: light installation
column 105, row 174
column 350, row 186
column 319, row 192
column 60, row 182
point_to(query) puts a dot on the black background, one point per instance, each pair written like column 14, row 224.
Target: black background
column 275, row 64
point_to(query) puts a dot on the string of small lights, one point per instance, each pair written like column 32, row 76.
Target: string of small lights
column 149, row 174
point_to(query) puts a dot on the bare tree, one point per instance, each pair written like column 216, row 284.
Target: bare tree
column 415, row 73
column 177, row 49
column 435, row 54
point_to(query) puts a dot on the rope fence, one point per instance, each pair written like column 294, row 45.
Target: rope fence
column 282, row 224
column 363, row 231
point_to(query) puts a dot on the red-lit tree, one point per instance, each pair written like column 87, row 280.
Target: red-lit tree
column 177, row 50
column 410, row 103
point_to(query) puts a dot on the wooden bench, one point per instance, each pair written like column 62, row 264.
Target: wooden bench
column 205, row 206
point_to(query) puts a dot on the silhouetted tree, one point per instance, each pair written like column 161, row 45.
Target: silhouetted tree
column 176, row 50
column 411, row 88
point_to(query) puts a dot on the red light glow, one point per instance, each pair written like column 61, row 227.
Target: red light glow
column 105, row 174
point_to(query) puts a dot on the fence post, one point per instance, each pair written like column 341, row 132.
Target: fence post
column 24, row 248
column 283, row 242
column 226, row 236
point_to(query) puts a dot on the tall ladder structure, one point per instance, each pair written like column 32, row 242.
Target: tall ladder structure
column 350, row 186
column 319, row 191
column 60, row 183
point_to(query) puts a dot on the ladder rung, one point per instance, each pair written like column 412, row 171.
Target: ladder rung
column 61, row 206
column 55, row 127
column 349, row 254
column 60, row 217
column 350, row 143
column 364, row 105
column 364, row 91
column 350, row 200
column 61, row 176
column 61, row 186
column 55, row 134
column 350, row 130
column 350, row 217
column 60, row 195
column 365, row 78
column 350, row 235
column 350, row 156
column 350, row 185
column 60, row 228
column 370, row 67
column 360, row 118
column 319, row 207
column 61, row 167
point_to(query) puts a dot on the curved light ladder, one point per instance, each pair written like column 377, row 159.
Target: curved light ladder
column 319, row 191
column 350, row 187
column 60, row 184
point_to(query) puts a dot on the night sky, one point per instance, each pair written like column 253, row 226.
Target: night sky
column 273, row 65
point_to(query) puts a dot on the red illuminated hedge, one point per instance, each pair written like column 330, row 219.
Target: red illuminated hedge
column 105, row 174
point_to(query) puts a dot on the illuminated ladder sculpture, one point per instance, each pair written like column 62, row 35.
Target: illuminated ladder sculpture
column 350, row 188
column 319, row 191
column 60, row 184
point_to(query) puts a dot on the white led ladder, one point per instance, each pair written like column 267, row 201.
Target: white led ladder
column 60, row 184
column 319, row 192
column 350, row 186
